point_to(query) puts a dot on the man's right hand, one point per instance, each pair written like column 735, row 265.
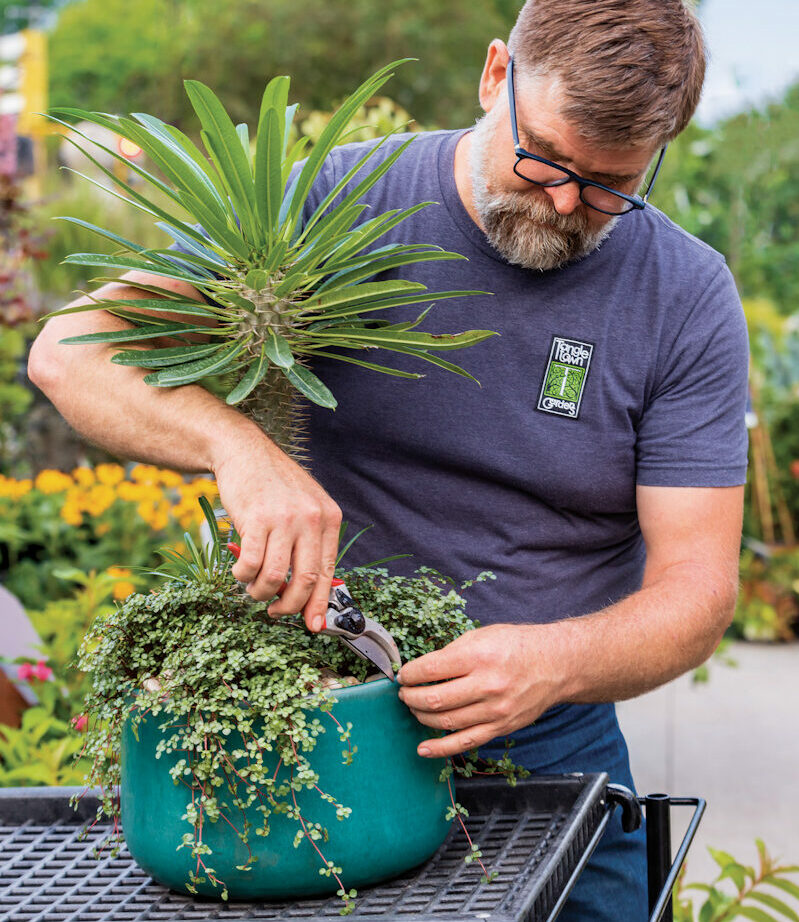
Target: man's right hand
column 285, row 519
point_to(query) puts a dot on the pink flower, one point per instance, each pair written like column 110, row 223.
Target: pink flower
column 40, row 671
column 80, row 723
column 25, row 672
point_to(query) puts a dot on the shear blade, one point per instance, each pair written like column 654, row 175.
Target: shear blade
column 369, row 650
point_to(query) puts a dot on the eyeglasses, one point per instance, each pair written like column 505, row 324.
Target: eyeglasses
column 545, row 172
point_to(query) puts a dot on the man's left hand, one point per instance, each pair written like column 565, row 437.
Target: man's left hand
column 489, row 682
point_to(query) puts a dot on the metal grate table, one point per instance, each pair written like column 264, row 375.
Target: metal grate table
column 537, row 836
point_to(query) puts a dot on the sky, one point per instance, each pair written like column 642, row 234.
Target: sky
column 753, row 51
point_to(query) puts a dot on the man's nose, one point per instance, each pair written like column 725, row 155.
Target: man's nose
column 565, row 198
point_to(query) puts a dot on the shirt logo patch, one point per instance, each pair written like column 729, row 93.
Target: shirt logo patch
column 565, row 377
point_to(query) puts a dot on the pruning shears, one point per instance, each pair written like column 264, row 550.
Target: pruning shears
column 364, row 636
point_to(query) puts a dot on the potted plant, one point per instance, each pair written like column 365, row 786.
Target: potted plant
column 228, row 722
column 247, row 757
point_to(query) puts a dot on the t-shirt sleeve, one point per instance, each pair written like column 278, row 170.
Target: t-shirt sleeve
column 693, row 430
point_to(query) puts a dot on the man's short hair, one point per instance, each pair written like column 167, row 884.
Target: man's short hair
column 631, row 70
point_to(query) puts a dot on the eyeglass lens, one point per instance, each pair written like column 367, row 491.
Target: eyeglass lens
column 545, row 175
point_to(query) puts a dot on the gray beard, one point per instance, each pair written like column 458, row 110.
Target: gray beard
column 522, row 227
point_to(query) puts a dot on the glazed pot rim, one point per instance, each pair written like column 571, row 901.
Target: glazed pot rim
column 361, row 691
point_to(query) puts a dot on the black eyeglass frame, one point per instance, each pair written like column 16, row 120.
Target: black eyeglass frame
column 635, row 201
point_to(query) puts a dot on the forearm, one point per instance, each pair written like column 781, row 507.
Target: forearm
column 660, row 632
column 184, row 428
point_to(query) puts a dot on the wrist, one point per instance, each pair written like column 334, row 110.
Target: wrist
column 230, row 435
column 560, row 645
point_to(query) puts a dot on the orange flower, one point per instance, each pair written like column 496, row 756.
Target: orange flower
column 122, row 587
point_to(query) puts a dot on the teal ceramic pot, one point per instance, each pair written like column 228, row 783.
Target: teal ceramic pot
column 398, row 807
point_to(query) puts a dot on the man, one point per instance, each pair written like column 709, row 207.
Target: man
column 598, row 470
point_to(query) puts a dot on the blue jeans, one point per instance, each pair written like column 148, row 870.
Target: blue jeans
column 587, row 738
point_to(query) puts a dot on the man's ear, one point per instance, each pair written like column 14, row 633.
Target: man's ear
column 492, row 80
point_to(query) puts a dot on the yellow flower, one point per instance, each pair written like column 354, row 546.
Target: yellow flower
column 83, row 476
column 53, row 482
column 99, row 498
column 71, row 514
column 103, row 528
column 144, row 473
column 122, row 587
column 171, row 478
column 20, row 488
column 110, row 474
column 132, row 492
column 204, row 486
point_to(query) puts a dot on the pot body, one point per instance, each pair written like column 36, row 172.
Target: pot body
column 398, row 807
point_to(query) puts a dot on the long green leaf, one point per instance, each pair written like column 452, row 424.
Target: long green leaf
column 400, row 301
column 435, row 360
column 121, row 262
column 109, row 235
column 268, row 178
column 190, row 149
column 371, row 365
column 330, row 136
column 161, row 358
column 129, row 336
column 358, row 192
column 180, row 169
column 278, row 350
column 251, row 379
column 193, row 371
column 368, row 270
column 233, row 165
column 209, row 220
column 190, row 308
column 366, row 292
column 389, row 337
column 774, row 903
column 308, row 384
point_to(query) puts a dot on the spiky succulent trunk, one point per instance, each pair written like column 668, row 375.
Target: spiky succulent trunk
column 276, row 407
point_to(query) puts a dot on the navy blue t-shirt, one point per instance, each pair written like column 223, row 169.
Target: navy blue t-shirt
column 626, row 367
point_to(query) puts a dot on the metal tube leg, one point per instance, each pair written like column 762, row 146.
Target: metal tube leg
column 658, row 848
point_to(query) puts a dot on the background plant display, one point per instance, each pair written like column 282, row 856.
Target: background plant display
column 91, row 519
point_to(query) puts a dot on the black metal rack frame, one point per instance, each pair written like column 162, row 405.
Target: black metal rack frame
column 540, row 835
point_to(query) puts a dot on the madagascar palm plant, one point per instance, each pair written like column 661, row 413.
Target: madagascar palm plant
column 283, row 290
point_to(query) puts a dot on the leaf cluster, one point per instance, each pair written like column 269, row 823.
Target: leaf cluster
column 763, row 894
column 284, row 286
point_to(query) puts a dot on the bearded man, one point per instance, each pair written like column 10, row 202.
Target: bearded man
column 598, row 469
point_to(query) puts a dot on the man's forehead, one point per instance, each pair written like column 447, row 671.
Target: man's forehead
column 539, row 100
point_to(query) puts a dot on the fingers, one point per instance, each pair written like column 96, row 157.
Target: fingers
column 305, row 573
column 446, row 663
column 316, row 607
column 275, row 564
column 446, row 696
column 461, row 741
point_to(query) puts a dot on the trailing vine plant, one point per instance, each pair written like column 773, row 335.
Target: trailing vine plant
column 204, row 654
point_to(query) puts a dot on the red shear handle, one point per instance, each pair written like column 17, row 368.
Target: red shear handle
column 235, row 550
